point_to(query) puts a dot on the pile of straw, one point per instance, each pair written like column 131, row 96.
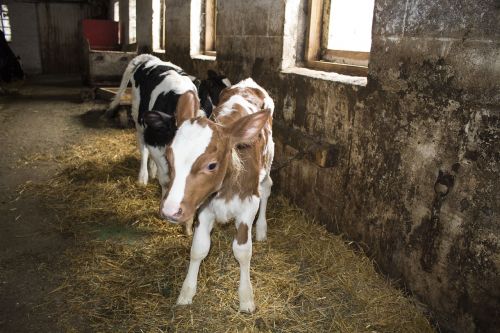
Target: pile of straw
column 128, row 266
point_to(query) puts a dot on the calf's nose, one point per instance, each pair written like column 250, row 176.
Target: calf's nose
column 171, row 212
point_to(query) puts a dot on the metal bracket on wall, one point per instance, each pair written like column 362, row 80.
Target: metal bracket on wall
column 323, row 154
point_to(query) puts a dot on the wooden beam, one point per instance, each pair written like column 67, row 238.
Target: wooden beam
column 210, row 12
column 314, row 28
column 346, row 57
column 338, row 68
column 357, row 55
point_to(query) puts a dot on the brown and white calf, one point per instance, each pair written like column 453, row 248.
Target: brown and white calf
column 222, row 169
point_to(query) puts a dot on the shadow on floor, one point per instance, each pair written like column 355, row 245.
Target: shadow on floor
column 96, row 119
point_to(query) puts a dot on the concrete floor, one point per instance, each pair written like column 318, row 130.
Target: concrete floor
column 44, row 117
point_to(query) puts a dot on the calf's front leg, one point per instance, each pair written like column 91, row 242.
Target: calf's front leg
column 199, row 250
column 188, row 227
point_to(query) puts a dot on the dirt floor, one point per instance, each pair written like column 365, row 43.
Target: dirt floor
column 82, row 249
column 44, row 118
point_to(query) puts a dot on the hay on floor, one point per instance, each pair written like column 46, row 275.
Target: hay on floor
column 128, row 266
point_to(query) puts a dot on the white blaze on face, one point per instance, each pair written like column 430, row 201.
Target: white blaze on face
column 190, row 142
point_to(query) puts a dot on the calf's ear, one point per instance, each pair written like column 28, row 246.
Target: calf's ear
column 225, row 81
column 156, row 120
column 245, row 129
column 187, row 107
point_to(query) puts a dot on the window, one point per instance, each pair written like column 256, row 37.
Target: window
column 339, row 35
column 5, row 22
column 116, row 11
column 132, row 36
column 158, row 25
column 210, row 26
column 203, row 21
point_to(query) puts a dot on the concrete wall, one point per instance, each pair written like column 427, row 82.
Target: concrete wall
column 413, row 150
column 25, row 39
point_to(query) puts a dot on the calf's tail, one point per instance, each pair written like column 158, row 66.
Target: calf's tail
column 127, row 75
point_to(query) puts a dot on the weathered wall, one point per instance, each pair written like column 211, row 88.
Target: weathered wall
column 25, row 41
column 413, row 152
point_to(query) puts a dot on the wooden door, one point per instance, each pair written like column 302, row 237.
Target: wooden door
column 60, row 36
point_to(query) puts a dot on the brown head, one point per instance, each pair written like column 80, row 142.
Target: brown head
column 199, row 158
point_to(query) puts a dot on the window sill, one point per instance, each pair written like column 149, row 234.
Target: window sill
column 327, row 76
column 203, row 57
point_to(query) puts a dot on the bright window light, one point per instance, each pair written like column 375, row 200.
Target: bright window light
column 350, row 26
column 5, row 22
column 132, row 36
column 116, row 11
column 156, row 24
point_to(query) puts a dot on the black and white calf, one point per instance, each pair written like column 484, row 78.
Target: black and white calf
column 161, row 91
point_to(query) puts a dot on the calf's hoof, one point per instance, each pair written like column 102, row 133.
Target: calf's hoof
column 143, row 179
column 260, row 237
column 261, row 230
column 247, row 307
column 186, row 296
column 246, row 300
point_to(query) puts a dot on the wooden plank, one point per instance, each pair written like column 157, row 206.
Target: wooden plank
column 338, row 68
column 162, row 25
column 314, row 27
column 210, row 12
column 110, row 93
column 346, row 57
column 358, row 55
column 325, row 24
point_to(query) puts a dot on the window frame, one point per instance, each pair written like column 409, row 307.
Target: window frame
column 210, row 29
column 132, row 40
column 5, row 22
column 318, row 56
column 162, row 26
column 116, row 10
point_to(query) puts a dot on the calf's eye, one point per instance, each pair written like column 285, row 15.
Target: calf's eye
column 212, row 166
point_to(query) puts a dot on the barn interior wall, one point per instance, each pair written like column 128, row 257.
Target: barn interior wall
column 25, row 40
column 413, row 151
column 47, row 34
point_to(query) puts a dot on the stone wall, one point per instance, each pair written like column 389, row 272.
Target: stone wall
column 413, row 150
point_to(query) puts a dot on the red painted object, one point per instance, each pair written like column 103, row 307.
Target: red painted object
column 101, row 34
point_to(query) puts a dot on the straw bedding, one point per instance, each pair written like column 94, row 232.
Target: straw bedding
column 128, row 266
